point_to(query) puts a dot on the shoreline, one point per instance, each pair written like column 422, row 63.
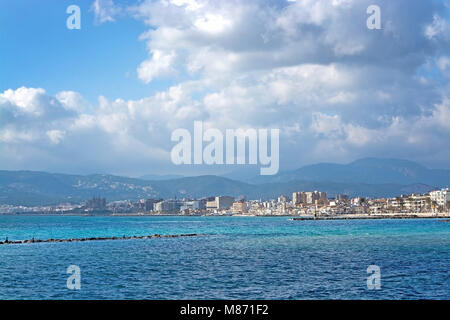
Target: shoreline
column 293, row 217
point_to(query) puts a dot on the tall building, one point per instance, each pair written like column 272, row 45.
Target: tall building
column 323, row 200
column 211, row 204
column 168, row 206
column 96, row 203
column 314, row 197
column 239, row 207
column 310, row 197
column 150, row 202
column 441, row 197
column 224, row 202
column 192, row 205
column 298, row 198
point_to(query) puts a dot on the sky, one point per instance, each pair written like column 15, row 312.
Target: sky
column 106, row 98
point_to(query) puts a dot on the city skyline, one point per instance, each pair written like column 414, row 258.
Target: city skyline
column 315, row 203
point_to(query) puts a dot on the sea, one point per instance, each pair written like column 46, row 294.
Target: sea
column 232, row 258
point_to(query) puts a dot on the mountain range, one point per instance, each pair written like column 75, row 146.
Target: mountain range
column 368, row 170
column 369, row 177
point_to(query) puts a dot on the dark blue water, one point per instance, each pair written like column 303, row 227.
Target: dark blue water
column 237, row 258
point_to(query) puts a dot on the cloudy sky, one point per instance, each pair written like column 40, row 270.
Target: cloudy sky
column 106, row 98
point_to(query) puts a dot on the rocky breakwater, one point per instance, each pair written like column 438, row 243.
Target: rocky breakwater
column 33, row 240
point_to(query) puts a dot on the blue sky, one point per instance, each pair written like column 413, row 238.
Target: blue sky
column 138, row 70
column 39, row 51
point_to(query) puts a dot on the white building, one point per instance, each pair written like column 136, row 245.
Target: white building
column 192, row 205
column 171, row 206
column 441, row 197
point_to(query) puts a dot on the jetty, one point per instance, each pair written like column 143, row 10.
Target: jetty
column 33, row 240
column 367, row 217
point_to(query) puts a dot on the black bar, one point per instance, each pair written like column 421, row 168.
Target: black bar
column 233, row 309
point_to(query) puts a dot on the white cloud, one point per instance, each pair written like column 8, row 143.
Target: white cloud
column 28, row 100
column 329, row 126
column 227, row 38
column 439, row 27
column 8, row 135
column 105, row 11
column 136, row 133
column 71, row 100
column 341, row 98
column 443, row 64
column 212, row 23
column 310, row 68
column 161, row 64
column 190, row 4
column 55, row 136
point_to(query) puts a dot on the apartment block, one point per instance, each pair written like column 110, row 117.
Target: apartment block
column 441, row 197
column 224, row 202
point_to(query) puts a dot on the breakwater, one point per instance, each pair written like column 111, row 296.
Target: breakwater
column 368, row 217
column 32, row 240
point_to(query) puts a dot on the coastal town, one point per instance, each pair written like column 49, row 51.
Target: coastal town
column 301, row 203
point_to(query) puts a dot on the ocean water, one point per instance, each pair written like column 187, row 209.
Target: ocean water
column 235, row 258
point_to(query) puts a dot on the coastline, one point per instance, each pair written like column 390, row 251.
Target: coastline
column 292, row 217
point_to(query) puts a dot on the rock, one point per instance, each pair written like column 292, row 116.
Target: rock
column 32, row 240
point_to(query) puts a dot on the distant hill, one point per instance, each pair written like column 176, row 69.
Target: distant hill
column 31, row 187
column 42, row 188
column 156, row 177
column 38, row 188
column 368, row 170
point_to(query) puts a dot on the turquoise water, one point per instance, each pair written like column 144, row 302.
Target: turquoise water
column 236, row 258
